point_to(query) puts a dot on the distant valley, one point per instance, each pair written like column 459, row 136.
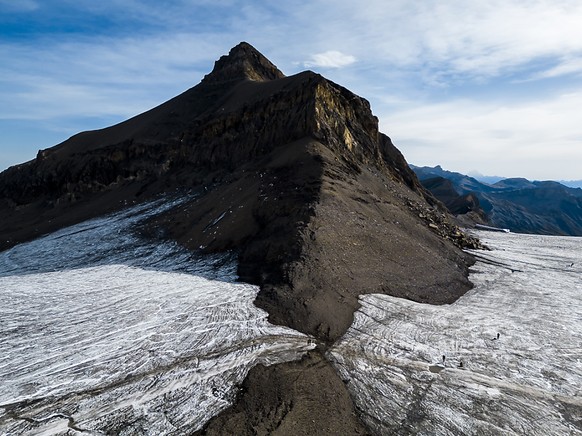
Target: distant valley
column 518, row 204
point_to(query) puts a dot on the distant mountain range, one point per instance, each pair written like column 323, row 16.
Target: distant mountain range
column 572, row 183
column 494, row 179
column 518, row 204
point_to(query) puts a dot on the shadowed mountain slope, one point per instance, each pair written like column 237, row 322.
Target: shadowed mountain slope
column 290, row 172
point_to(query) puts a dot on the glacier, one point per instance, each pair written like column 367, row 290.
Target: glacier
column 106, row 332
column 505, row 358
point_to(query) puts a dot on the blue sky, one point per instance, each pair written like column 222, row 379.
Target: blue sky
column 493, row 87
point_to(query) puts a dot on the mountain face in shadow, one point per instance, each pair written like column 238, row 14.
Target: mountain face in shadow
column 291, row 173
column 466, row 207
column 517, row 204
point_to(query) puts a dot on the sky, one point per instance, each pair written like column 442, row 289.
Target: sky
column 491, row 87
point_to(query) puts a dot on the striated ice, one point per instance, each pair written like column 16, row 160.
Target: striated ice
column 528, row 289
column 105, row 332
column 114, row 239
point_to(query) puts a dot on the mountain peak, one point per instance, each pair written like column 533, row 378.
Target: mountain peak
column 243, row 62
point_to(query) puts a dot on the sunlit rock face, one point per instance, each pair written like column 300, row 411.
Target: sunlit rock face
column 107, row 333
column 506, row 358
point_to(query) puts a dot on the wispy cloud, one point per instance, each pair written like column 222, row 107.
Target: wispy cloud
column 97, row 77
column 19, row 6
column 330, row 59
column 451, row 37
column 566, row 67
column 524, row 139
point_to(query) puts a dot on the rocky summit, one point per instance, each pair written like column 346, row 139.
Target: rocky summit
column 293, row 175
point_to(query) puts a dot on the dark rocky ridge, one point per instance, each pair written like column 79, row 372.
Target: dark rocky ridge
column 296, row 398
column 292, row 173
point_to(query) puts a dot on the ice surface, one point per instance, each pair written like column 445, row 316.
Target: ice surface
column 104, row 332
column 113, row 239
column 529, row 381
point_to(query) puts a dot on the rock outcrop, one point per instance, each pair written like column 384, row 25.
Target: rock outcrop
column 290, row 172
